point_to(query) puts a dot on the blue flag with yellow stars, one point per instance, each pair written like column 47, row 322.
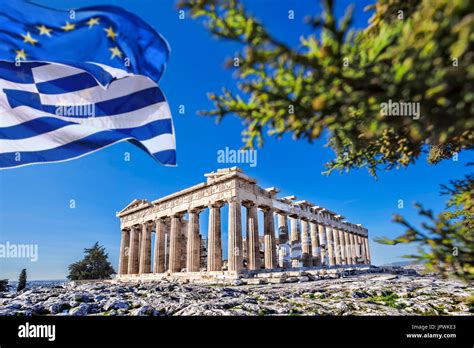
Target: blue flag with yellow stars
column 102, row 34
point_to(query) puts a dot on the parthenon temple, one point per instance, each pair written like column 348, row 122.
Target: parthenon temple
column 307, row 236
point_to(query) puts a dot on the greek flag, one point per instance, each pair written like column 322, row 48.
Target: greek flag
column 52, row 112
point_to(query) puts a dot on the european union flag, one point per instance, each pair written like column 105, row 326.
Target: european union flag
column 103, row 34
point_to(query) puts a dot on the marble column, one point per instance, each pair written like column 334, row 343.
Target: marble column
column 295, row 230
column 175, row 244
column 253, row 244
column 214, row 241
column 193, row 248
column 330, row 245
column 282, row 228
column 159, row 254
column 359, row 248
column 124, row 247
column 306, row 255
column 295, row 240
column 315, row 249
column 140, row 234
column 347, row 248
column 234, row 236
column 342, row 246
column 353, row 248
column 362, row 249
column 145, row 250
column 133, row 251
column 322, row 242
column 269, row 240
column 337, row 247
column 284, row 256
column 367, row 251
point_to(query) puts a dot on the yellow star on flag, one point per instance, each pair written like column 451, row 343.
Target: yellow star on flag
column 20, row 54
column 93, row 21
column 110, row 33
column 27, row 38
column 68, row 26
column 44, row 30
column 115, row 52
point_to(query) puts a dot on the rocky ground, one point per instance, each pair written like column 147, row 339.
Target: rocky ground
column 362, row 294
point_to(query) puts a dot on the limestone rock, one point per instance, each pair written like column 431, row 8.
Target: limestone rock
column 358, row 294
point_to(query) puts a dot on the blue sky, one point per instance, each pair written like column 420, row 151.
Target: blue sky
column 34, row 200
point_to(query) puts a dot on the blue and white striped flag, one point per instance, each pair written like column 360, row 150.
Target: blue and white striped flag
column 51, row 112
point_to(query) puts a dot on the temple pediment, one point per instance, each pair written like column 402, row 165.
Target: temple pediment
column 136, row 204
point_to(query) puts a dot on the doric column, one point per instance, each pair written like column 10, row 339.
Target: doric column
column 295, row 240
column 284, row 255
column 175, row 244
column 295, row 230
column 362, row 249
column 330, row 245
column 140, row 234
column 269, row 239
column 145, row 250
column 234, row 236
column 133, row 251
column 359, row 248
column 336, row 249
column 322, row 242
column 305, row 244
column 315, row 249
column 214, row 241
column 342, row 246
column 124, row 247
column 159, row 254
column 253, row 244
column 282, row 228
column 353, row 248
column 367, row 251
column 193, row 249
column 347, row 248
